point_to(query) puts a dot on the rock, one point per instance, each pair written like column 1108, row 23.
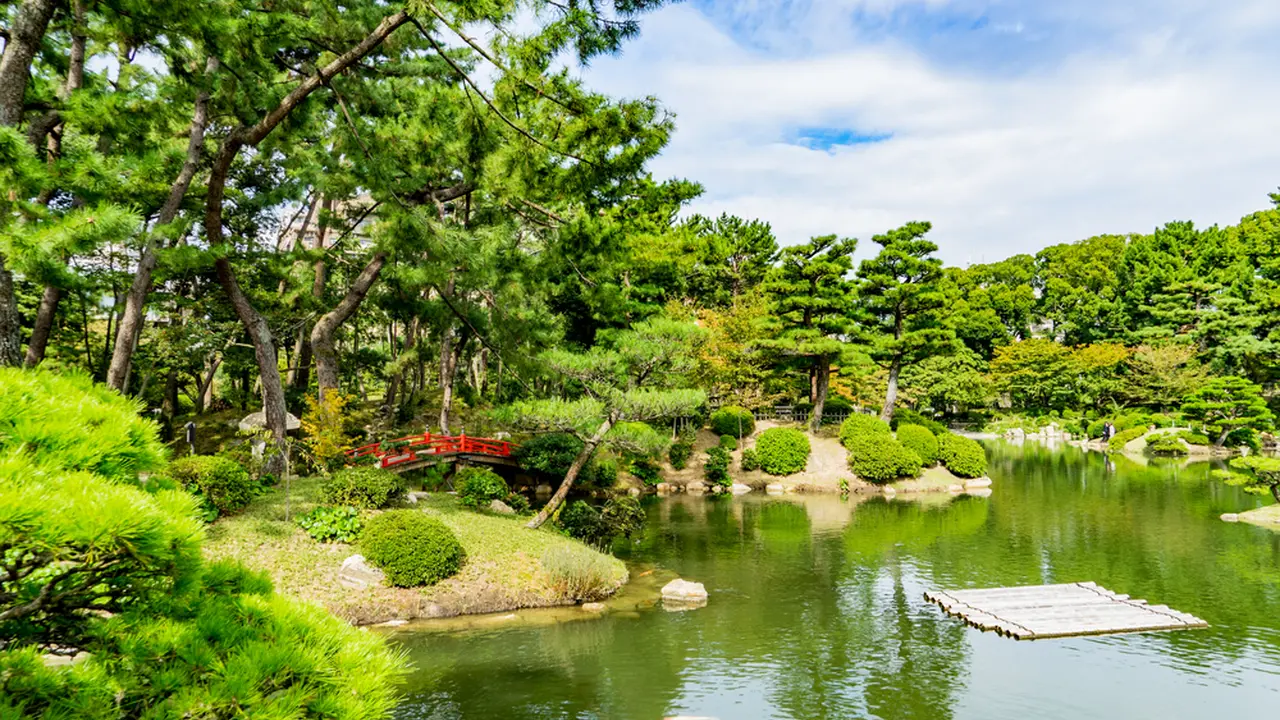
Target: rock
column 775, row 488
column 740, row 489
column 1229, row 517
column 663, row 488
column 1015, row 434
column 981, row 482
column 358, row 574
column 888, row 491
column 411, row 498
column 679, row 595
column 500, row 508
column 979, row 492
column 543, row 489
column 634, row 492
column 955, row 489
column 695, row 487
column 392, row 623
column 593, row 607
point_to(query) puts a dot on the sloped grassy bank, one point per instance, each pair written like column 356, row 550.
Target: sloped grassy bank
column 504, row 569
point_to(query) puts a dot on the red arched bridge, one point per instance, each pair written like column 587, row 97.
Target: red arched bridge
column 417, row 451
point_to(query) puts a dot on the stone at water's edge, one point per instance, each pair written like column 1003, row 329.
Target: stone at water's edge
column 775, row 488
column 955, row 489
column 358, row 574
column 981, row 482
column 501, row 508
column 695, row 487
column 1230, row 517
column 593, row 607
column 684, row 591
column 740, row 489
column 978, row 492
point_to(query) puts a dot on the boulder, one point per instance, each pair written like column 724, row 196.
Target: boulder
column 500, row 508
column 740, row 489
column 979, row 492
column 593, row 607
column 634, row 492
column 663, row 488
column 696, row 486
column 679, row 595
column 775, row 488
column 1230, row 517
column 359, row 574
column 888, row 491
column 981, row 482
column 1015, row 434
column 543, row 489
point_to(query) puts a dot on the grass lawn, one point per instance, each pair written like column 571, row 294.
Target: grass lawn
column 503, row 570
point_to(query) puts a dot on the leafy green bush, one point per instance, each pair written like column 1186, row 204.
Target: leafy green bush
column 859, row 425
column 362, row 487
column 750, row 461
column 1166, row 444
column 580, row 574
column 733, row 420
column 1095, row 429
column 1194, row 438
column 716, row 470
column 919, row 440
column 1138, row 420
column 1117, row 443
column 647, row 471
column 412, row 548
column 224, row 486
column 782, row 451
column 550, row 456
column 679, row 455
column 332, row 524
column 881, row 458
column 518, row 502
column 962, row 456
column 620, row 517
column 603, row 473
column 907, row 416
column 477, row 487
column 729, row 442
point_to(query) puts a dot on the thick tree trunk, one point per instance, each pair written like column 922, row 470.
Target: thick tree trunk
column 565, row 485
column 448, row 373
column 821, row 384
column 891, row 395
column 322, row 334
column 300, row 377
column 43, row 327
column 131, row 319
column 1222, row 439
column 169, row 405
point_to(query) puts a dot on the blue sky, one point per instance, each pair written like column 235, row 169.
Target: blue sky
column 1010, row 124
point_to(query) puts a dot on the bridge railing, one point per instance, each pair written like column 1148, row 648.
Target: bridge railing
column 412, row 447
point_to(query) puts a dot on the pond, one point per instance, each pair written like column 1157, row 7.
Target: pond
column 816, row 609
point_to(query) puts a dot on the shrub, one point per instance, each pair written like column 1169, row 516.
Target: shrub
column 324, row 438
column 620, row 517
column 648, row 471
column 332, row 524
column 858, row 425
column 222, row 484
column 411, row 548
column 782, row 451
column 580, row 520
column 1095, row 429
column 579, row 573
column 603, row 473
column 962, row 456
column 750, row 460
column 551, row 455
column 919, row 440
column 907, row 416
column 1117, row 443
column 733, row 420
column 679, row 455
column 716, row 471
column 1135, row 420
column 362, row 487
column 880, row 458
column 1194, row 438
column 729, row 442
column 519, row 503
column 477, row 487
column 1166, row 444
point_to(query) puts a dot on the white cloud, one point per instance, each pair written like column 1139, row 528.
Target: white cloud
column 1169, row 124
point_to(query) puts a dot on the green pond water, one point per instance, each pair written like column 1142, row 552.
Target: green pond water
column 816, row 609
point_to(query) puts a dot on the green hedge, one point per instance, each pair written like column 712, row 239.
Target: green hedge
column 1194, row 438
column 412, row 548
column 1167, row 444
column 963, row 457
column 880, row 458
column 679, row 455
column 907, row 416
column 716, row 470
column 750, row 461
column 733, row 420
column 782, row 451
column 477, row 487
column 919, row 440
column 224, row 486
column 362, row 487
column 729, row 442
column 859, row 425
column 1122, row 438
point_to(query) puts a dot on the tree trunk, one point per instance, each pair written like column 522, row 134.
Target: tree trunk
column 169, row 405
column 300, row 378
column 448, row 361
column 322, row 334
column 131, row 319
column 578, row 463
column 891, row 395
column 821, row 382
column 1275, row 491
column 44, row 325
column 1222, row 439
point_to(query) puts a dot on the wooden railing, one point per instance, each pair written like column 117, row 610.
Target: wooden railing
column 416, row 447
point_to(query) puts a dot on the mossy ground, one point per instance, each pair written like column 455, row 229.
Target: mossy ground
column 503, row 569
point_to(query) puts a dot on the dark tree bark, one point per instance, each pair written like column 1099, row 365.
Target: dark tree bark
column 43, row 327
column 565, row 485
column 822, row 383
column 302, row 367
column 448, row 363
column 322, row 334
column 131, row 320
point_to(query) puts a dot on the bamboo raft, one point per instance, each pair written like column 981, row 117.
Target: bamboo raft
column 1055, row 611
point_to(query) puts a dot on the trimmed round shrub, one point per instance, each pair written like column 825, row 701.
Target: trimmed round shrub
column 733, row 420
column 782, row 451
column 750, row 461
column 729, row 442
column 679, row 455
column 411, row 547
column 962, row 456
column 859, row 425
column 1194, row 438
column 921, row 441
column 477, row 487
column 364, row 487
column 1124, row 437
column 880, row 458
column 907, row 416
column 224, row 486
column 716, row 471
column 579, row 520
column 1167, row 444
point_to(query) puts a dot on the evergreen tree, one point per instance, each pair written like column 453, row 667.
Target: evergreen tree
column 1228, row 403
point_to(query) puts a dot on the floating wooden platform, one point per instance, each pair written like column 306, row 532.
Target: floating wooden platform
column 1054, row 611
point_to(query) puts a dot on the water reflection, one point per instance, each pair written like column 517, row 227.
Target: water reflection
column 816, row 609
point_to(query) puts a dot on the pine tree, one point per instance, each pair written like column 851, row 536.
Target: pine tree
column 1228, row 403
